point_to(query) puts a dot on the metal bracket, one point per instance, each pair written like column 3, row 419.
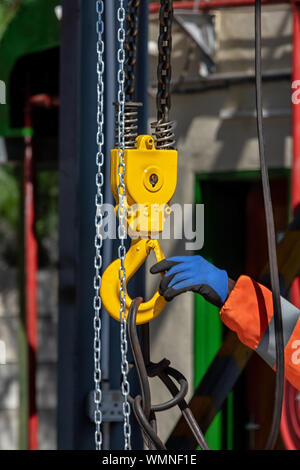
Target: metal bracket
column 201, row 29
column 111, row 406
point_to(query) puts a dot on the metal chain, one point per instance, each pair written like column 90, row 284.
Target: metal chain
column 98, row 223
column 163, row 98
column 122, row 223
column 130, row 47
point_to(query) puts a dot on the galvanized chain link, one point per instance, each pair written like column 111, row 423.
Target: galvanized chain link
column 98, row 223
column 163, row 99
column 122, row 222
column 130, row 47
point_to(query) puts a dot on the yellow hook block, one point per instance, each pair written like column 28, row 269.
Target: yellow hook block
column 150, row 182
column 110, row 284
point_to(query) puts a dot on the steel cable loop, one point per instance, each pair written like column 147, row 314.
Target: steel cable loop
column 141, row 404
column 184, row 408
column 152, row 370
column 145, row 425
column 178, row 395
column 138, row 356
column 143, row 410
column 271, row 239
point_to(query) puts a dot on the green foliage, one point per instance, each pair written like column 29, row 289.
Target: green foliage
column 8, row 9
column 47, row 204
column 10, row 214
column 9, row 196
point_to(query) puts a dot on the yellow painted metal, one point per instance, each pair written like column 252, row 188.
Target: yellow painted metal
column 147, row 203
column 150, row 182
column 110, row 285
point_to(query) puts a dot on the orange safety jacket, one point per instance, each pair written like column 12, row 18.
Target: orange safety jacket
column 249, row 312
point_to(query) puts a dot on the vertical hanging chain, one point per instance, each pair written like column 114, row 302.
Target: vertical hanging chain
column 163, row 98
column 122, row 222
column 98, row 223
column 163, row 129
column 130, row 47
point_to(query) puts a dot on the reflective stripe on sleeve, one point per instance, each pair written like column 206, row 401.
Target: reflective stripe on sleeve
column 249, row 312
column 267, row 347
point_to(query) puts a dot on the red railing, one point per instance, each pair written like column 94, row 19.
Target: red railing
column 215, row 4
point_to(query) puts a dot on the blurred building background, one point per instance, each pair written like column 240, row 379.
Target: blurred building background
column 213, row 103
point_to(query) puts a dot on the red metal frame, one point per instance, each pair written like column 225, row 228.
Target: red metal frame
column 295, row 194
column 290, row 422
column 215, row 4
column 31, row 263
column 31, row 266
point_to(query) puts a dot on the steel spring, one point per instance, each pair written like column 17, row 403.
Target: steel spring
column 163, row 133
column 131, row 127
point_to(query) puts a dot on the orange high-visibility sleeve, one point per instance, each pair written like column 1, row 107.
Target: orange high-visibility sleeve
column 249, row 312
column 292, row 357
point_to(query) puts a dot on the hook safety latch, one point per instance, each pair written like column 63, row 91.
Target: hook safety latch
column 110, row 285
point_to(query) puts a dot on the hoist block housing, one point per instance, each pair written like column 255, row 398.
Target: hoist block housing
column 150, row 182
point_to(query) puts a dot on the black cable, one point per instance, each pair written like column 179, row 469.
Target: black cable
column 271, row 240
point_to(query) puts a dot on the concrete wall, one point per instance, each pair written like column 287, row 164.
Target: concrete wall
column 47, row 357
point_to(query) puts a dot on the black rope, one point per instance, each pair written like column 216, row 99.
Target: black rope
column 141, row 404
column 271, row 239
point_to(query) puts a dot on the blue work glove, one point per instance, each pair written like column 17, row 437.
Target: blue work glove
column 192, row 273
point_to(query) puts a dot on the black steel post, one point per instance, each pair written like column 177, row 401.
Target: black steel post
column 68, row 225
column 76, row 218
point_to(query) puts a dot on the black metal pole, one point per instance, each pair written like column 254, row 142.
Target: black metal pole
column 68, row 221
column 76, row 217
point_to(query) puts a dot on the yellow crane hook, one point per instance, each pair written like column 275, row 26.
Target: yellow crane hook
column 110, row 285
column 150, row 182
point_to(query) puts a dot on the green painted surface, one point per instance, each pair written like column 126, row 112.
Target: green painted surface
column 34, row 28
column 207, row 340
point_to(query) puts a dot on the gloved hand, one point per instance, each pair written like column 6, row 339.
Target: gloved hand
column 192, row 273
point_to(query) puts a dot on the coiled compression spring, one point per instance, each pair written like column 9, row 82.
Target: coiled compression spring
column 131, row 123
column 163, row 132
